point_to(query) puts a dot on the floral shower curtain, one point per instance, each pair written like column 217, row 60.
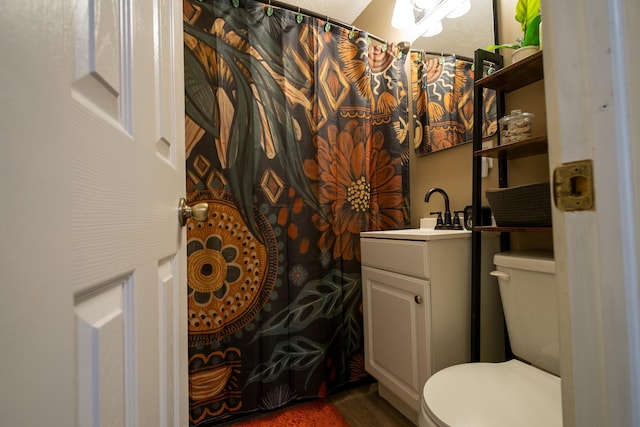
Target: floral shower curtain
column 442, row 94
column 297, row 138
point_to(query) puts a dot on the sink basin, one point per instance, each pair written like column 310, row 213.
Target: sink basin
column 425, row 232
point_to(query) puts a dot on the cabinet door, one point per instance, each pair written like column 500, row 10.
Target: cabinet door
column 396, row 322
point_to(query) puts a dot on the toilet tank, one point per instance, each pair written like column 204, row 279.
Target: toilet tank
column 530, row 302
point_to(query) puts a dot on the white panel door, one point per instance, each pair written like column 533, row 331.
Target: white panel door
column 593, row 104
column 93, row 266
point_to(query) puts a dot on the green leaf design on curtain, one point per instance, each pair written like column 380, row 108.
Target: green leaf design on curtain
column 259, row 91
column 298, row 353
column 200, row 104
column 320, row 299
column 334, row 296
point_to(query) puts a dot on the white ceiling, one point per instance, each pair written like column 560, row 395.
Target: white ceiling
column 339, row 10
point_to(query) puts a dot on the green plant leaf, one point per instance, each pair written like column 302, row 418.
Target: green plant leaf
column 526, row 10
column 503, row 46
column 532, row 34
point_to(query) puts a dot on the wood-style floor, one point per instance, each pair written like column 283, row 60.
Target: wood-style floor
column 363, row 407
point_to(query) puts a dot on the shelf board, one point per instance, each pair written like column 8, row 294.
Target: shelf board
column 522, row 73
column 515, row 229
column 528, row 147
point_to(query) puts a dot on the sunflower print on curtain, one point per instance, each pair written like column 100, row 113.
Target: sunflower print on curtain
column 296, row 136
column 442, row 95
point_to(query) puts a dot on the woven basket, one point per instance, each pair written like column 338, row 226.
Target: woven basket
column 522, row 206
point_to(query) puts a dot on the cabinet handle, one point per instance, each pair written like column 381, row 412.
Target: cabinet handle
column 418, row 299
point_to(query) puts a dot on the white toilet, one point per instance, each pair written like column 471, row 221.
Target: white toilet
column 512, row 393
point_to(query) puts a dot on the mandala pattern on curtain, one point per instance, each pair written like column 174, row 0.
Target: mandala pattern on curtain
column 296, row 136
column 442, row 95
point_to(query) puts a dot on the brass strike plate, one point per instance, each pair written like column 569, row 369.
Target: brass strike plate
column 573, row 186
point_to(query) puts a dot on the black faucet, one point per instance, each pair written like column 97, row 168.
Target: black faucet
column 446, row 224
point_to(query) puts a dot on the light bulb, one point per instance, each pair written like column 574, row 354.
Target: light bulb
column 433, row 30
column 464, row 7
column 402, row 15
column 426, row 4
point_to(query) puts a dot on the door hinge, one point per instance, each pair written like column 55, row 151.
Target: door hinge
column 573, row 186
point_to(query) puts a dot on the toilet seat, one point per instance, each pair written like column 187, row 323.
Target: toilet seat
column 505, row 394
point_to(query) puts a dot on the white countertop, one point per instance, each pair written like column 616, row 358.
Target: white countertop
column 423, row 234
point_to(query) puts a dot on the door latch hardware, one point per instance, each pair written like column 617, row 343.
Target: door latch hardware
column 573, row 186
column 199, row 211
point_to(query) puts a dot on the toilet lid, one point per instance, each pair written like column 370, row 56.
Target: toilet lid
column 494, row 395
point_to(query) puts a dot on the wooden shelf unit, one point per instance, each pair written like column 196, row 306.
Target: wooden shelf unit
column 507, row 79
column 528, row 147
column 515, row 229
column 515, row 76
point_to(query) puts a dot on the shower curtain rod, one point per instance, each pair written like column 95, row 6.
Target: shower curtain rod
column 427, row 52
column 308, row 12
column 403, row 46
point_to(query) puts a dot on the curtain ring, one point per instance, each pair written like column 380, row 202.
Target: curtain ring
column 270, row 9
column 299, row 17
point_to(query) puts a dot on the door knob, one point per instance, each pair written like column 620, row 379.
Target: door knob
column 199, row 211
column 418, row 299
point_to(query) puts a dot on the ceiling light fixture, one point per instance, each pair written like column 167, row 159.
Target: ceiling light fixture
column 434, row 30
column 425, row 4
column 402, row 15
column 424, row 17
column 462, row 9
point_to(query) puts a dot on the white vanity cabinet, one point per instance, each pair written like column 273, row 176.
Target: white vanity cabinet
column 416, row 297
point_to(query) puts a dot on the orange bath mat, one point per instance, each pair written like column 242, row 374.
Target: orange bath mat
column 314, row 414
